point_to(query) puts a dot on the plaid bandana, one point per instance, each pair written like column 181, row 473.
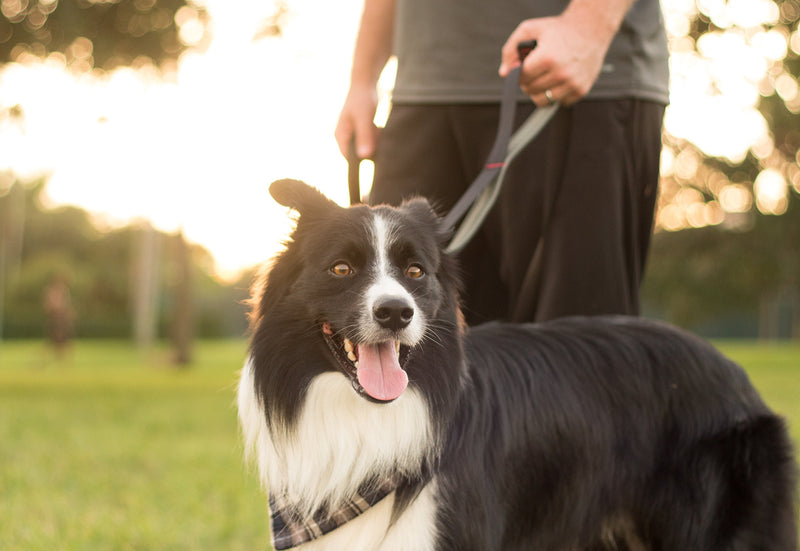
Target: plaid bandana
column 290, row 530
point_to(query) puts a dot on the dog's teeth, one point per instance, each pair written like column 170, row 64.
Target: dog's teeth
column 355, row 364
column 348, row 346
column 351, row 356
column 397, row 347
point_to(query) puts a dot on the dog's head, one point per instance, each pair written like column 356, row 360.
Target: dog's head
column 371, row 283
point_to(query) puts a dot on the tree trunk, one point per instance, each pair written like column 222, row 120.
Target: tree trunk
column 184, row 314
column 145, row 288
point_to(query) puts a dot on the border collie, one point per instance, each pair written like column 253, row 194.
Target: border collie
column 379, row 422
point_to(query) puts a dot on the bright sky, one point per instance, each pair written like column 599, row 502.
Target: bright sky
column 197, row 149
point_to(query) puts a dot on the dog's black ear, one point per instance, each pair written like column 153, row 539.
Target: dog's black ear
column 420, row 207
column 300, row 196
column 426, row 215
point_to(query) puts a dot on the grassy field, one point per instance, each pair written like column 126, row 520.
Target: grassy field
column 111, row 449
column 114, row 450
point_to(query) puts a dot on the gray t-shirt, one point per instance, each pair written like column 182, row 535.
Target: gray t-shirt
column 448, row 51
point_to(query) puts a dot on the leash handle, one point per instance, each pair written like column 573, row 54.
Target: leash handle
column 524, row 48
column 353, row 176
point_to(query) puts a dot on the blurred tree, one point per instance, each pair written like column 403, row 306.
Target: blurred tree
column 700, row 275
column 768, row 175
column 99, row 268
column 104, row 34
column 740, row 251
column 145, row 286
column 100, row 33
column 183, row 313
column 12, row 221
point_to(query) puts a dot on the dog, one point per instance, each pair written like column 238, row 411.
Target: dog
column 378, row 421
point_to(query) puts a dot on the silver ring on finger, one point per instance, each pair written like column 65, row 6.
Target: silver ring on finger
column 550, row 99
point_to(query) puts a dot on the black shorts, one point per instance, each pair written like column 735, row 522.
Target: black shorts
column 571, row 227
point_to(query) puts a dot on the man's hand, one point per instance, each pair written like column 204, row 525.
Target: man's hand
column 570, row 51
column 356, row 121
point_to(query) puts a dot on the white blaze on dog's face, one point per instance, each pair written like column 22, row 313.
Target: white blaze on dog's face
column 389, row 306
column 388, row 318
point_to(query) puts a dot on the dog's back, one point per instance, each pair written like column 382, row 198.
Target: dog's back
column 590, row 427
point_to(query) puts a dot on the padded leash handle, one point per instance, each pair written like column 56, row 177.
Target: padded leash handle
column 353, row 175
column 524, row 48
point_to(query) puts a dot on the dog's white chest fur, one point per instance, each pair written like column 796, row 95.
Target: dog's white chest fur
column 339, row 441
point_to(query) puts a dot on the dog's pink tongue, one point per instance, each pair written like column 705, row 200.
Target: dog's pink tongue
column 379, row 371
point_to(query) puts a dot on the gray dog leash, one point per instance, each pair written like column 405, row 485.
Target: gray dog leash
column 476, row 202
column 485, row 189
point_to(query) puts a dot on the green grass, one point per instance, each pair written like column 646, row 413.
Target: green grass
column 774, row 369
column 115, row 450
column 111, row 449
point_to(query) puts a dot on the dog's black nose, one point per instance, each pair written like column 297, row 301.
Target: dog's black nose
column 393, row 313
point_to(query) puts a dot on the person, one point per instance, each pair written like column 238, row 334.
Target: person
column 570, row 231
column 59, row 314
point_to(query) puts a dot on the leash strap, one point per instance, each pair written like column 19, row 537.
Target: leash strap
column 481, row 195
column 476, row 202
column 488, row 183
column 497, row 156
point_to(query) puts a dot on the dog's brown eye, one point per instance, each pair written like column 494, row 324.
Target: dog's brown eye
column 341, row 269
column 414, row 272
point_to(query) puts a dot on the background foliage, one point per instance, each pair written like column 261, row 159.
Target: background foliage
column 724, row 259
column 99, row 267
column 98, row 33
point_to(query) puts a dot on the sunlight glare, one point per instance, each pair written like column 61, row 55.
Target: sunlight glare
column 752, row 13
column 771, row 192
column 786, row 87
column 735, row 198
column 713, row 213
column 195, row 145
column 795, row 172
column 771, row 44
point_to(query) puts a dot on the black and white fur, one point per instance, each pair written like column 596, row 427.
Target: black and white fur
column 578, row 434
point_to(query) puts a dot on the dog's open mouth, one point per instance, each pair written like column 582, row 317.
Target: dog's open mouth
column 375, row 369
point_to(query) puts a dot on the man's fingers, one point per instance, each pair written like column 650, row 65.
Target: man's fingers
column 527, row 30
column 356, row 123
column 366, row 140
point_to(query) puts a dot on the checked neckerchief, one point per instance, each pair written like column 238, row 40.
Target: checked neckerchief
column 290, row 530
